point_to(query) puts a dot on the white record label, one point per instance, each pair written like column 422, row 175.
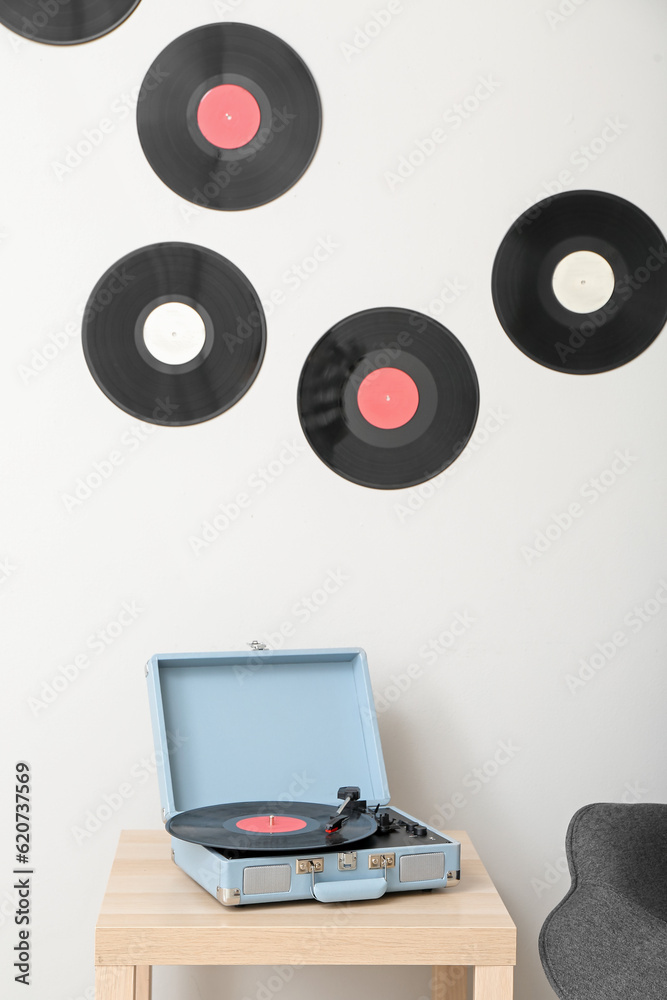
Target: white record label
column 583, row 281
column 174, row 333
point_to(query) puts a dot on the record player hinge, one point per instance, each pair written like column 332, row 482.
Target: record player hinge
column 257, row 645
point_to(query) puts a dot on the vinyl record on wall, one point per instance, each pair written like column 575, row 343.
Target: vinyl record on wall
column 388, row 398
column 580, row 284
column 64, row 22
column 229, row 116
column 174, row 334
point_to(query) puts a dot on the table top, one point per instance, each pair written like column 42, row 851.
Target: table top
column 155, row 914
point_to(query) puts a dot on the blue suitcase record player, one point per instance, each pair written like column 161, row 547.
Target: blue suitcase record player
column 273, row 783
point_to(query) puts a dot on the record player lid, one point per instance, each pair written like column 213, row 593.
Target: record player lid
column 264, row 725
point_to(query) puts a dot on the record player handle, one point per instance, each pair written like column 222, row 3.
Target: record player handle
column 346, row 889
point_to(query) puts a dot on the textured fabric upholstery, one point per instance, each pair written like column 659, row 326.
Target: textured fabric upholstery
column 607, row 940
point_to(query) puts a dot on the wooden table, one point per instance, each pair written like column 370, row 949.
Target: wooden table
column 154, row 914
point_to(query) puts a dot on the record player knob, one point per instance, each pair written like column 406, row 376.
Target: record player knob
column 385, row 822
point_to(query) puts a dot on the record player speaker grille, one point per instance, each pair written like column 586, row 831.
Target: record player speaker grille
column 267, row 878
column 421, row 867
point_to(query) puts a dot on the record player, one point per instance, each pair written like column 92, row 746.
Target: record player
column 273, row 784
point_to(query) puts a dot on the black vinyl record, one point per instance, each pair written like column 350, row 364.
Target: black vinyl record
column 229, row 116
column 231, row 826
column 174, row 334
column 580, row 284
column 64, row 22
column 388, row 398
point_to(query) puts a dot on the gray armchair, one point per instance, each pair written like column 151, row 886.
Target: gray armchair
column 607, row 939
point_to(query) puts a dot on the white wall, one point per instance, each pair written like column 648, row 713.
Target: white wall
column 409, row 575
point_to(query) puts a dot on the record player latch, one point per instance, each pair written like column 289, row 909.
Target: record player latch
column 304, row 866
column 381, row 860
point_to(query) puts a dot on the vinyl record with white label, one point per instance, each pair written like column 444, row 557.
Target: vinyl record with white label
column 64, row 22
column 174, row 334
column 388, row 398
column 229, row 116
column 580, row 283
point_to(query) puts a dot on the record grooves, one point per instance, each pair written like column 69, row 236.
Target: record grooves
column 230, row 826
column 64, row 22
column 229, row 116
column 388, row 398
column 580, row 284
column 174, row 334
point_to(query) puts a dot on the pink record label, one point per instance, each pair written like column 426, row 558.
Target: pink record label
column 271, row 824
column 228, row 116
column 388, row 398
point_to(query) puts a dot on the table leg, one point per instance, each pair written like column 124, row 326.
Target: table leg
column 493, row 982
column 143, row 982
column 448, row 982
column 114, row 982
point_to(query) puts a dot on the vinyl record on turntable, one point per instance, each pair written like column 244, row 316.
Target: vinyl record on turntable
column 174, row 334
column 229, row 116
column 388, row 398
column 64, row 22
column 579, row 282
column 268, row 826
